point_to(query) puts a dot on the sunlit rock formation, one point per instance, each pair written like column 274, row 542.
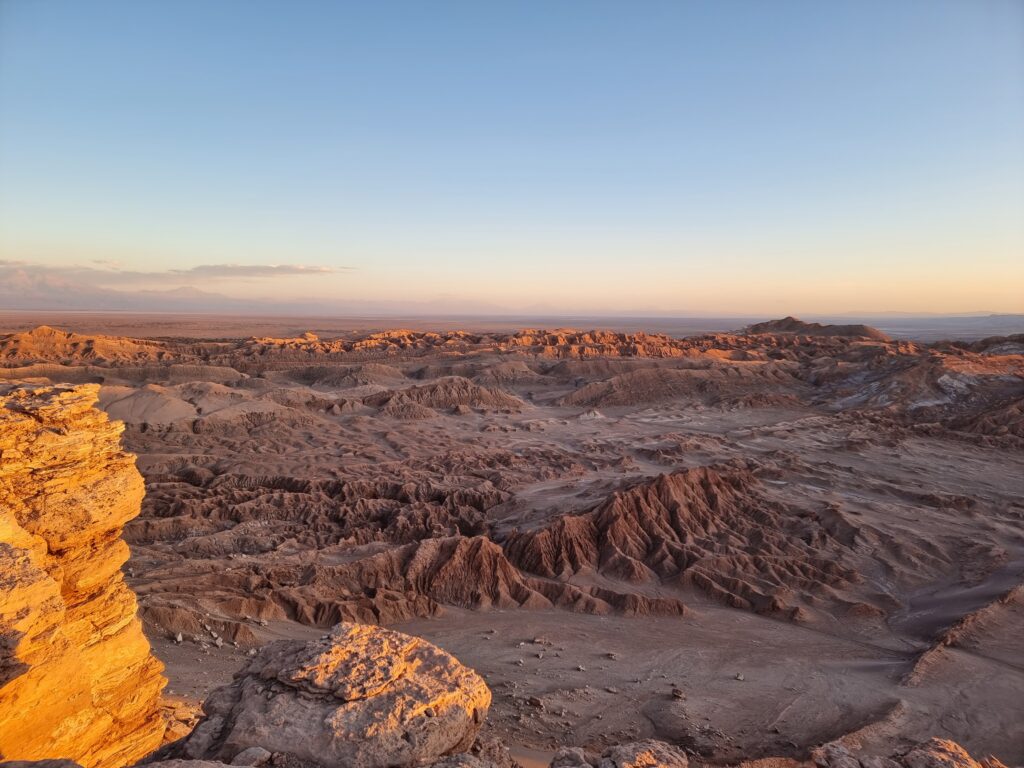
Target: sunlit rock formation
column 360, row 696
column 77, row 679
column 934, row 753
column 639, row 754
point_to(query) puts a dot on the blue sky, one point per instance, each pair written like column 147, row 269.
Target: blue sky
column 690, row 157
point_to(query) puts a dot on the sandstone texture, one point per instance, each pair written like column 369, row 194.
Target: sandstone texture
column 641, row 754
column 77, row 679
column 360, row 697
column 934, row 753
column 710, row 527
column 50, row 344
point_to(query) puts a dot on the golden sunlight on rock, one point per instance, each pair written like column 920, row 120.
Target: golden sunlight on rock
column 77, row 679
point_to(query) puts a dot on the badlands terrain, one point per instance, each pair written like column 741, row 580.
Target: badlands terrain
column 746, row 544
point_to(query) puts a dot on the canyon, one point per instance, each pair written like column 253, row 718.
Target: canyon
column 790, row 542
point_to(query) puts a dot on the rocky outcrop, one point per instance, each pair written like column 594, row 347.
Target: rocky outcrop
column 638, row 754
column 797, row 326
column 77, row 679
column 710, row 527
column 45, row 344
column 360, row 697
column 718, row 384
column 568, row 343
column 942, row 753
column 447, row 393
column 565, row 343
column 934, row 753
column 475, row 573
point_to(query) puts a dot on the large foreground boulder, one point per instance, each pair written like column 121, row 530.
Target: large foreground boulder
column 360, row 697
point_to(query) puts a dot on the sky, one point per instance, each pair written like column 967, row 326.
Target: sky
column 722, row 157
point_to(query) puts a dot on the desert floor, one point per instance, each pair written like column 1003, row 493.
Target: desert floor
column 745, row 543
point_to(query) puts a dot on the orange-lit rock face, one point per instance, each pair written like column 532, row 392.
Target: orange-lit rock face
column 77, row 679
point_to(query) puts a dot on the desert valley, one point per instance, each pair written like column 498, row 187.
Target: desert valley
column 511, row 385
column 788, row 542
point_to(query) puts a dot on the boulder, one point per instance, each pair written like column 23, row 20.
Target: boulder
column 942, row 753
column 359, row 697
column 934, row 753
column 637, row 754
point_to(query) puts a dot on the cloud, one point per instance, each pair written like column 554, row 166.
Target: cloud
column 202, row 274
column 25, row 285
column 110, row 273
column 254, row 270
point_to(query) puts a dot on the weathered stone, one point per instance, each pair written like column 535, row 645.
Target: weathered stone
column 941, row 753
column 77, row 679
column 361, row 697
column 934, row 753
column 252, row 756
column 834, row 755
column 638, row 754
column 572, row 757
column 644, row 754
column 464, row 760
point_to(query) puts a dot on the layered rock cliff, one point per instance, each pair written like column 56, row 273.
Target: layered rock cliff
column 77, row 679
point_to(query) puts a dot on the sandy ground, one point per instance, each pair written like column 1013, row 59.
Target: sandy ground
column 722, row 682
column 561, row 678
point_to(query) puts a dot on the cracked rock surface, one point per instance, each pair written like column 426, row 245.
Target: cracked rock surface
column 361, row 696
